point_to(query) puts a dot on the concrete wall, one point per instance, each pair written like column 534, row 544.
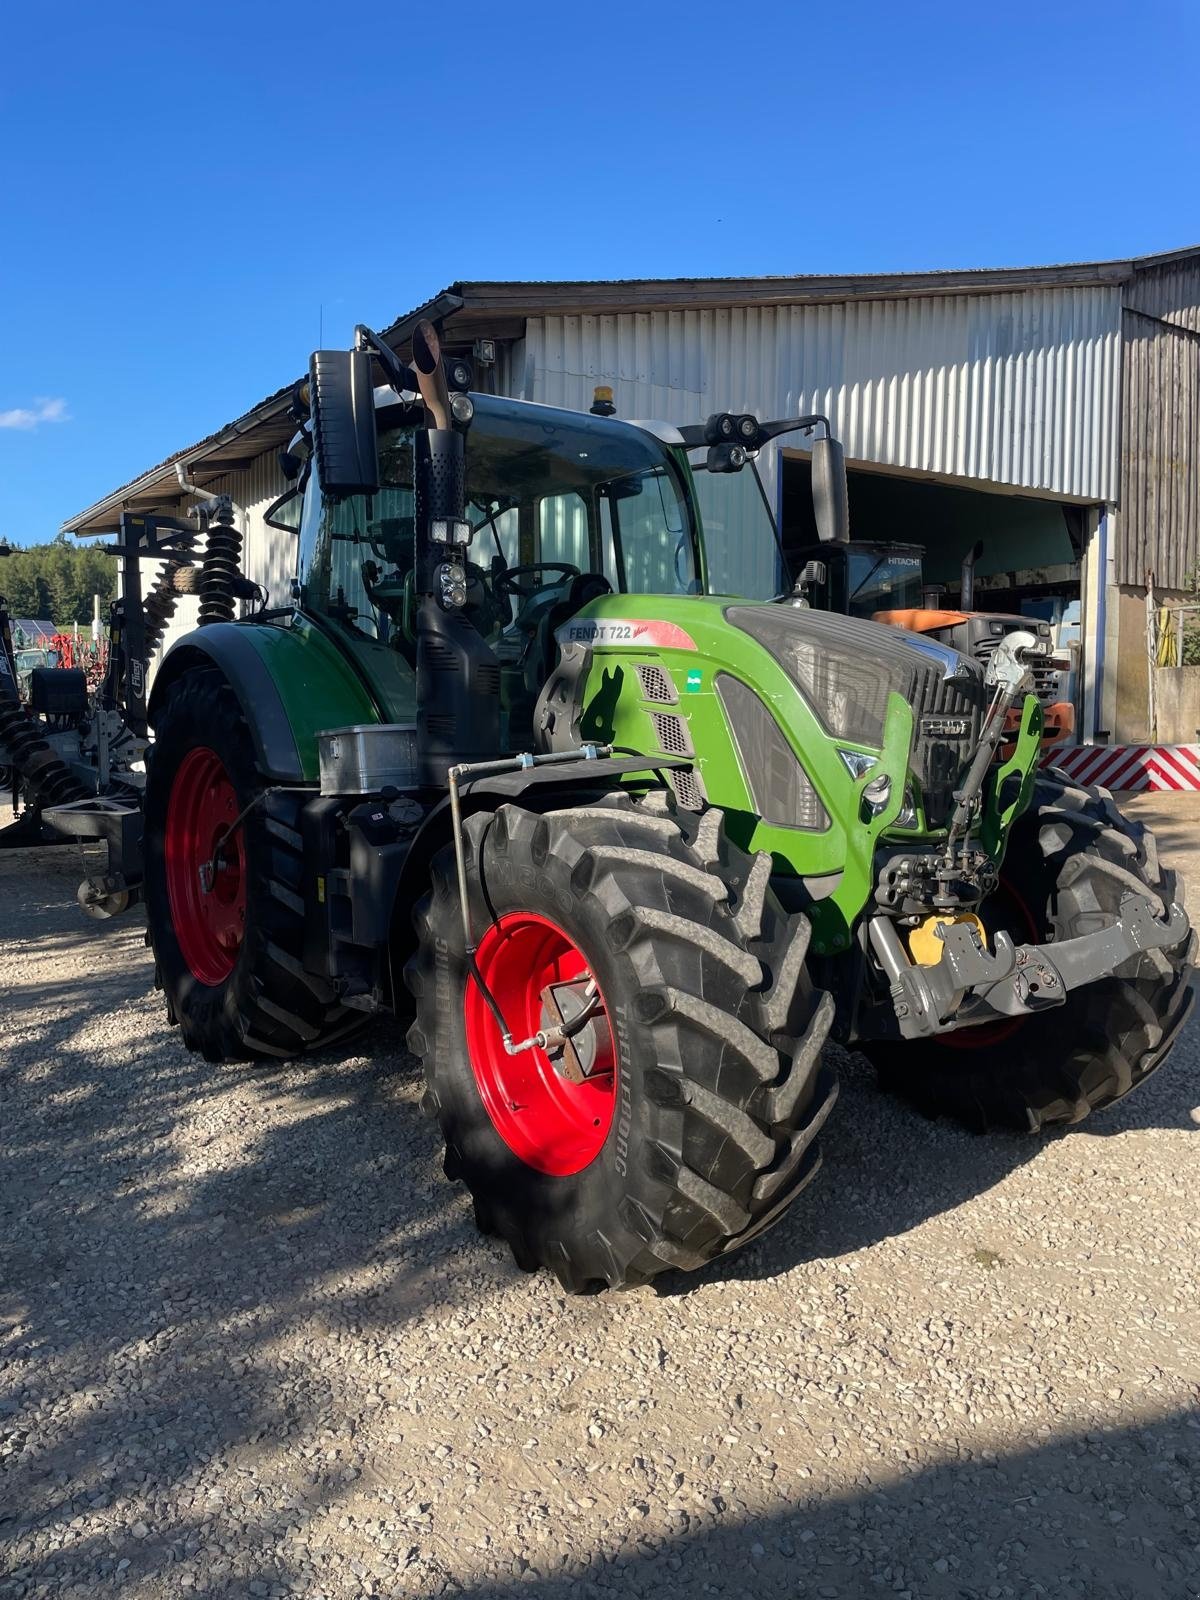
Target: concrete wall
column 1131, row 723
column 1177, row 692
column 1177, row 689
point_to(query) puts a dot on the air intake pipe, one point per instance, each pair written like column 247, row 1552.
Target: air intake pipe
column 966, row 598
column 458, row 676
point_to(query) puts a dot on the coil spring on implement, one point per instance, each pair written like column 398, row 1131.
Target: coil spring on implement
column 159, row 605
column 22, row 743
column 222, row 565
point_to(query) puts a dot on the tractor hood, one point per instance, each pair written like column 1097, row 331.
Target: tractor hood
column 846, row 668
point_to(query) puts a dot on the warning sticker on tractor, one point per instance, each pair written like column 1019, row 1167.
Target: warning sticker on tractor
column 636, row 633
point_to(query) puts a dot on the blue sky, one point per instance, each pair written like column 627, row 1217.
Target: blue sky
column 182, row 189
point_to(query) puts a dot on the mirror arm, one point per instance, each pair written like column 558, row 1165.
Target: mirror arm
column 399, row 374
column 695, row 434
column 772, row 430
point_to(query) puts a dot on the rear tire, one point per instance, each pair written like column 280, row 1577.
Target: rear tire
column 1071, row 858
column 254, row 998
column 719, row 1088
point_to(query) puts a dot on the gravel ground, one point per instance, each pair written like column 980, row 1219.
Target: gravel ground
column 250, row 1343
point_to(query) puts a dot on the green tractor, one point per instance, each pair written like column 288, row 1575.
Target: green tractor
column 635, row 850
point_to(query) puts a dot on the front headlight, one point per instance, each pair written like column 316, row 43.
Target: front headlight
column 906, row 817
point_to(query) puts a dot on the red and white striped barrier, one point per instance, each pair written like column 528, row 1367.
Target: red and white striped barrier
column 1129, row 766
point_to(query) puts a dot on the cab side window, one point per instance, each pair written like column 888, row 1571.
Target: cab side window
column 564, row 532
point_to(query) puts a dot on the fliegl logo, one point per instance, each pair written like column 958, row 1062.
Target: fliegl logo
column 617, row 631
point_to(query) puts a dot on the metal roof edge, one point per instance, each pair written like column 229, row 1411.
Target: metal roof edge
column 272, row 406
column 1164, row 258
column 636, row 294
column 441, row 305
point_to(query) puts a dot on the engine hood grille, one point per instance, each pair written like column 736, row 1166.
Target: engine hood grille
column 846, row 667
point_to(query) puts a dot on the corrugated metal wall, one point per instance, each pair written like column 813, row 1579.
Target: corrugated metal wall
column 1159, row 528
column 1017, row 389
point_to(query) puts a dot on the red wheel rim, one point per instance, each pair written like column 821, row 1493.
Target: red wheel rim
column 1004, row 910
column 552, row 1123
column 206, row 872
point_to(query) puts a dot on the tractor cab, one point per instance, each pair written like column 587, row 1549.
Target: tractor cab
column 563, row 508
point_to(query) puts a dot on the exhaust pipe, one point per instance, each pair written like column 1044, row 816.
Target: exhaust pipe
column 966, row 598
column 458, row 676
column 431, row 376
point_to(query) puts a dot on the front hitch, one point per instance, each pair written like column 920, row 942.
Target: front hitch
column 969, row 985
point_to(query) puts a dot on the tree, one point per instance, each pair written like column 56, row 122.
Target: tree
column 55, row 582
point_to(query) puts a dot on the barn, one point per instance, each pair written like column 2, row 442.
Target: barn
column 1052, row 413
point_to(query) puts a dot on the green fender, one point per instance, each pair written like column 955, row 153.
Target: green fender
column 292, row 682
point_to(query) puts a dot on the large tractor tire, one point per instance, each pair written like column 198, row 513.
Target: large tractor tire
column 229, row 957
column 1071, row 858
column 687, row 1123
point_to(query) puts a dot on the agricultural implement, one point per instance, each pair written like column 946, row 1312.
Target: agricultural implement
column 631, row 851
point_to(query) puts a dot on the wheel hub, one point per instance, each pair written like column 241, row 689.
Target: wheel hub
column 575, row 1008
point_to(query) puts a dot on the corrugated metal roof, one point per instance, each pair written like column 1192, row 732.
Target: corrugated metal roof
column 534, row 297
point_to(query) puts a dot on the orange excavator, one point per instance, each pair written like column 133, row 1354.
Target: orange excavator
column 884, row 581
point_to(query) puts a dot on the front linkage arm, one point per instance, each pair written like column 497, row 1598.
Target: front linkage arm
column 968, row 985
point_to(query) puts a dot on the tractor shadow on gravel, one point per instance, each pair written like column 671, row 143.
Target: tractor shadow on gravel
column 886, row 1169
column 187, row 1251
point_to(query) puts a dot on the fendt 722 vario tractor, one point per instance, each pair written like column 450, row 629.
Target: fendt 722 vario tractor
column 634, row 850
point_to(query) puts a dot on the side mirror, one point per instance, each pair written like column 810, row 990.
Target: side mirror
column 342, row 395
column 289, row 464
column 831, row 497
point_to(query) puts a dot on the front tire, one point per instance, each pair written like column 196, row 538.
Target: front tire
column 1071, row 858
column 695, row 1125
column 229, row 957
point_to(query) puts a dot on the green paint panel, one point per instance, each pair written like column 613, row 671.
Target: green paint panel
column 680, row 632
column 999, row 814
column 316, row 683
